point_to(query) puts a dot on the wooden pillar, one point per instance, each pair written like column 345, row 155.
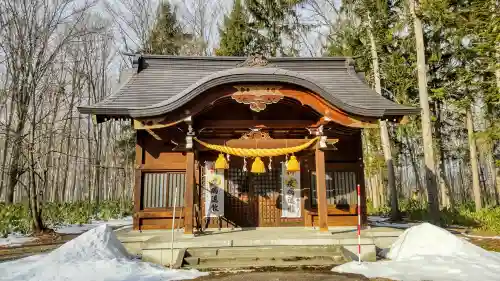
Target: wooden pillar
column 321, row 190
column 189, row 193
column 361, row 182
column 138, row 182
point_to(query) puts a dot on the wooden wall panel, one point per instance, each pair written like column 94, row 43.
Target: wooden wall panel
column 337, row 221
column 165, row 160
column 163, row 223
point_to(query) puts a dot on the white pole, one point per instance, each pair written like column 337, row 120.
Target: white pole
column 173, row 229
column 359, row 224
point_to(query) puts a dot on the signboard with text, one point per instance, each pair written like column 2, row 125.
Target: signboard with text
column 290, row 197
column 214, row 191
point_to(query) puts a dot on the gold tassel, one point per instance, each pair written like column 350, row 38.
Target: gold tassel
column 292, row 165
column 221, row 163
column 258, row 166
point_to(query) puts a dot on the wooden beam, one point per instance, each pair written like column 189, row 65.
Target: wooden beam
column 321, row 190
column 189, row 193
column 271, row 143
column 138, row 125
column 159, row 214
column 246, row 124
column 153, row 134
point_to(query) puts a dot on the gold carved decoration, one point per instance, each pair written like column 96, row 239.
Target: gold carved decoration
column 258, row 97
column 255, row 135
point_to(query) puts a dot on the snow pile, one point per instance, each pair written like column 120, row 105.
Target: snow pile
column 94, row 255
column 427, row 252
column 15, row 239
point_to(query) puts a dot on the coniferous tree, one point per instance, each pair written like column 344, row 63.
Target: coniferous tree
column 166, row 37
column 273, row 22
column 235, row 36
column 366, row 31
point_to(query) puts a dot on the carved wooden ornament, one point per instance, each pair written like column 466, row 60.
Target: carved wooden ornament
column 258, row 97
column 255, row 134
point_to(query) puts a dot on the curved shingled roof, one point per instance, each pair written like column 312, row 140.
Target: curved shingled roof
column 162, row 84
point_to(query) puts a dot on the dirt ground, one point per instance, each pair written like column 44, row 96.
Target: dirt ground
column 487, row 244
column 294, row 275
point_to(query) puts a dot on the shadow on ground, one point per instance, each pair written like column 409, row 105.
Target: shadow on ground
column 286, row 275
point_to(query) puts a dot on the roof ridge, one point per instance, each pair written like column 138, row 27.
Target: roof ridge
column 239, row 58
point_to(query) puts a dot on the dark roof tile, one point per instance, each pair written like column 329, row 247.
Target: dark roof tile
column 168, row 82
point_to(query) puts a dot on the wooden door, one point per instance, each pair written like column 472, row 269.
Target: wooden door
column 266, row 196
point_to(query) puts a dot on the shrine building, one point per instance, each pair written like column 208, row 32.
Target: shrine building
column 234, row 142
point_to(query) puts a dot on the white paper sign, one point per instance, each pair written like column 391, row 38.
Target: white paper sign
column 290, row 196
column 214, row 191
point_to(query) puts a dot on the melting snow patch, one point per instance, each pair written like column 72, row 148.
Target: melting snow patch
column 427, row 252
column 15, row 239
column 94, row 255
column 80, row 228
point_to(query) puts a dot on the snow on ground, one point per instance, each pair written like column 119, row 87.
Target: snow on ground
column 15, row 239
column 80, row 228
column 95, row 255
column 427, row 252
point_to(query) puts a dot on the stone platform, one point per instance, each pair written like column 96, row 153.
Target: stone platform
column 155, row 245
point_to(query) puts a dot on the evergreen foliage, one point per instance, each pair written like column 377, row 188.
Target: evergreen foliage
column 462, row 55
column 166, row 37
column 235, row 36
column 268, row 27
column 273, row 23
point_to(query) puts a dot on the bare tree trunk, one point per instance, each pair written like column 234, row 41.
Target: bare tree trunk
column 414, row 165
column 8, row 197
column 75, row 87
column 444, row 184
column 494, row 170
column 77, row 151
column 384, row 133
column 15, row 166
column 430, row 167
column 473, row 160
column 48, row 157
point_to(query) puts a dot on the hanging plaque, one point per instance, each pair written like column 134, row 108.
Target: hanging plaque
column 290, row 196
column 214, row 191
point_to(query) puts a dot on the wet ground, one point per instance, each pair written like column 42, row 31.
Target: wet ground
column 291, row 275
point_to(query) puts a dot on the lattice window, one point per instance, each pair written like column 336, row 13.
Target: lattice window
column 267, row 184
column 238, row 183
column 340, row 188
column 159, row 189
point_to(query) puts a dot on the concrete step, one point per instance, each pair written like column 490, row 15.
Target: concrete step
column 269, row 259
column 242, row 264
column 264, row 256
column 192, row 261
column 264, row 251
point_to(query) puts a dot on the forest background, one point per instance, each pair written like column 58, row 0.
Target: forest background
column 57, row 166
